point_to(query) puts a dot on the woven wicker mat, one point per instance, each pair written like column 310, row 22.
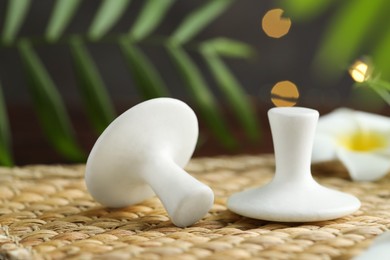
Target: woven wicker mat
column 46, row 213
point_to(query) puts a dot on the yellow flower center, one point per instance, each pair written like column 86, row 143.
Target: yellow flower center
column 363, row 141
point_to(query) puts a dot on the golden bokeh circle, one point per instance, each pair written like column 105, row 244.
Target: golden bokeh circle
column 274, row 25
column 284, row 94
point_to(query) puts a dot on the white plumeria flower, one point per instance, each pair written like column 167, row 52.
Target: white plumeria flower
column 360, row 140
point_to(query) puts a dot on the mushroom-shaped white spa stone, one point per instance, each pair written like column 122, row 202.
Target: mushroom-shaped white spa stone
column 143, row 152
column 293, row 195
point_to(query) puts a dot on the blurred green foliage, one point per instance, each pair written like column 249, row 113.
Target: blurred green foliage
column 354, row 28
column 49, row 105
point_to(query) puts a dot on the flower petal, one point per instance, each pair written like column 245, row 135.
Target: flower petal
column 373, row 122
column 329, row 127
column 338, row 122
column 324, row 148
column 364, row 166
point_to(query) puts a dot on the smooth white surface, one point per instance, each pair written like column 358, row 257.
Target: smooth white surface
column 293, row 195
column 380, row 248
column 142, row 152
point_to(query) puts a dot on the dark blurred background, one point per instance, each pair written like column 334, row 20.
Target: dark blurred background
column 286, row 58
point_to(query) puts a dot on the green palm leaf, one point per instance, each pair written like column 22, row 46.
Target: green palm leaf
column 5, row 136
column 346, row 34
column 381, row 57
column 304, row 10
column 233, row 91
column 49, row 106
column 229, row 48
column 201, row 95
column 148, row 80
column 198, row 20
column 151, row 15
column 378, row 85
column 96, row 99
column 15, row 15
column 108, row 14
column 63, row 12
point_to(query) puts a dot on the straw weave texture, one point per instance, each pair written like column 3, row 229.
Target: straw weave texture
column 46, row 213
